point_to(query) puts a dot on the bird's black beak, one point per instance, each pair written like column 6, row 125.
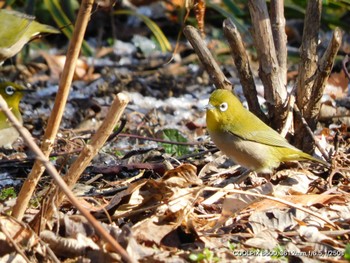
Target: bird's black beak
column 209, row 107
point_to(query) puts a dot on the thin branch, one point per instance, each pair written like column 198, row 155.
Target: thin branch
column 278, row 23
column 324, row 70
column 29, row 140
column 145, row 138
column 207, row 59
column 307, row 70
column 13, row 242
column 346, row 60
column 308, row 54
column 57, row 112
column 240, row 57
column 115, row 169
column 89, row 151
column 307, row 127
column 269, row 69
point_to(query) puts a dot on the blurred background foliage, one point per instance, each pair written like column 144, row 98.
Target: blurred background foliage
column 109, row 15
column 335, row 12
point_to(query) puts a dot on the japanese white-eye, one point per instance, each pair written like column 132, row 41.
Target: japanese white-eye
column 16, row 29
column 246, row 139
column 12, row 94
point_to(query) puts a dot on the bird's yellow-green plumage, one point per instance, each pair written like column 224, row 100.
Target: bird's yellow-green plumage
column 246, row 139
column 16, row 29
column 12, row 93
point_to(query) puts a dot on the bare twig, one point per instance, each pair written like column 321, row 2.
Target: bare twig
column 115, row 169
column 288, row 125
column 60, row 182
column 140, row 137
column 89, row 151
column 13, row 242
column 346, row 60
column 58, row 109
column 312, row 107
column 278, row 23
column 240, row 57
column 308, row 63
column 310, row 133
column 323, row 71
column 269, row 70
column 209, row 63
column 307, row 69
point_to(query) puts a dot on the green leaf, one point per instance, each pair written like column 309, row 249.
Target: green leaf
column 157, row 32
column 234, row 8
column 194, row 257
column 347, row 252
column 174, row 136
column 7, row 193
column 229, row 14
column 64, row 23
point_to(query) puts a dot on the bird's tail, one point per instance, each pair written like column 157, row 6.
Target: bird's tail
column 305, row 156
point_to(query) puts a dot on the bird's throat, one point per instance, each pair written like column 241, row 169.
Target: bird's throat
column 212, row 122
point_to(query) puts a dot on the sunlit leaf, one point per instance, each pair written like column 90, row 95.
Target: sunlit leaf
column 175, row 136
column 158, row 33
column 64, row 23
column 226, row 13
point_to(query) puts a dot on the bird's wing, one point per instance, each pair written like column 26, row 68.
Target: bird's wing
column 12, row 27
column 267, row 137
column 249, row 127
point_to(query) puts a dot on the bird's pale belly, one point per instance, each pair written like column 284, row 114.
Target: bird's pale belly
column 252, row 155
column 8, row 136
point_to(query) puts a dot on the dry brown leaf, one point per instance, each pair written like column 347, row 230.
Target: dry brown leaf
column 122, row 198
column 171, row 193
column 338, row 79
column 304, row 200
column 266, row 239
column 170, row 197
column 271, row 216
column 103, row 51
column 135, row 250
column 275, row 219
column 321, row 244
column 296, row 182
column 19, row 233
column 68, row 246
column 217, row 163
column 75, row 224
column 219, row 194
column 184, row 175
column 312, row 234
column 342, row 211
column 152, row 229
column 235, row 203
column 77, row 246
column 56, row 64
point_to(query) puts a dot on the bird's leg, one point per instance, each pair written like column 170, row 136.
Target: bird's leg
column 239, row 179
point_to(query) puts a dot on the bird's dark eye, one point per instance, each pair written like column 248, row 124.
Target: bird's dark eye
column 10, row 90
column 223, row 106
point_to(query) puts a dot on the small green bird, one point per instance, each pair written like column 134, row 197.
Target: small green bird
column 246, row 139
column 16, row 29
column 12, row 94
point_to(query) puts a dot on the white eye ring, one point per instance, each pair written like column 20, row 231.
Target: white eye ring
column 223, row 106
column 10, row 90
